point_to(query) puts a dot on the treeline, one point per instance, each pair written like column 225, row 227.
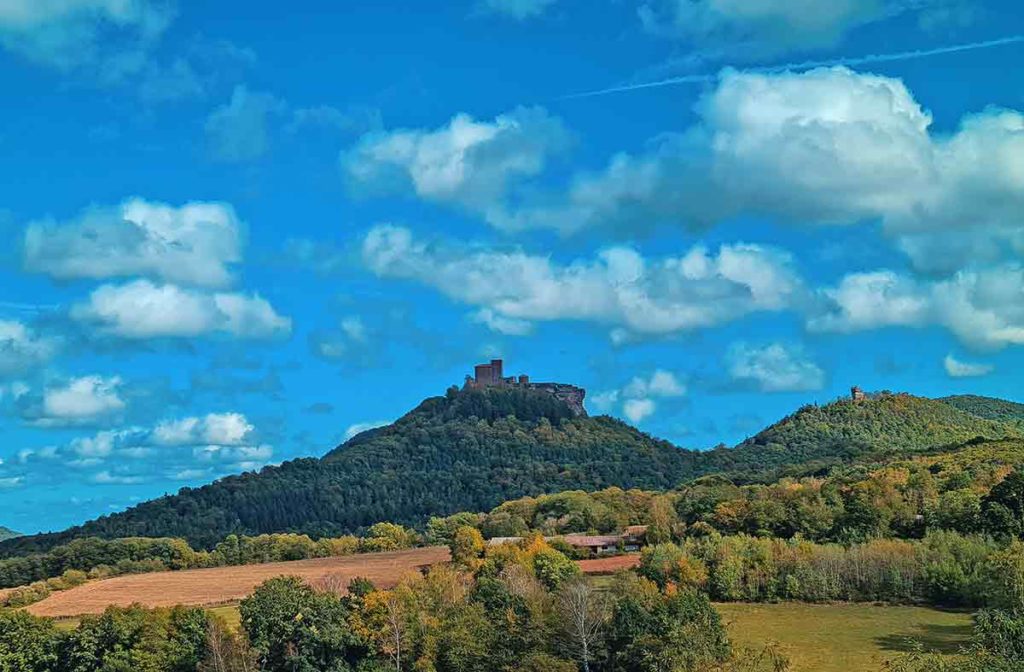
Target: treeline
column 514, row 609
column 81, row 560
column 973, row 491
column 944, row 569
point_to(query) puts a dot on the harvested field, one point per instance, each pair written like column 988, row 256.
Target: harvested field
column 224, row 585
column 610, row 565
column 219, row 585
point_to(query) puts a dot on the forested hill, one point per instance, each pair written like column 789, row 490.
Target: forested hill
column 885, row 423
column 472, row 450
column 7, row 533
column 987, row 407
column 468, row 451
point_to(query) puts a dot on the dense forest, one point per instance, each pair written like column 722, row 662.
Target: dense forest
column 987, row 407
column 472, row 450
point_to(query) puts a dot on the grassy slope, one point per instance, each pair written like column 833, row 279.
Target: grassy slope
column 7, row 533
column 844, row 637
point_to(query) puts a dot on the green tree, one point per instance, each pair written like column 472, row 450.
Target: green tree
column 135, row 639
column 1003, row 507
column 27, row 643
column 467, row 546
column 293, row 628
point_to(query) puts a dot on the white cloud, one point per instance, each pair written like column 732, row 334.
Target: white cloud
column 81, row 401
column 620, row 288
column 468, row 163
column 638, row 409
column 68, row 34
column 516, row 9
column 223, row 429
column 361, row 427
column 603, row 401
column 774, row 368
column 873, row 300
column 141, row 309
column 22, row 349
column 11, row 482
column 212, row 445
column 958, row 369
column 193, row 244
column 762, row 27
column 983, row 308
column 661, row 383
column 508, row 326
column 239, row 130
column 639, row 394
column 106, row 477
column 827, row 146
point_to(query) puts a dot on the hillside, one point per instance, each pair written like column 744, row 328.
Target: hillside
column 888, row 423
column 7, row 533
column 987, row 407
column 472, row 450
column 468, row 451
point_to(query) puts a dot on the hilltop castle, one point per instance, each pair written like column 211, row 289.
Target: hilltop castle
column 493, row 375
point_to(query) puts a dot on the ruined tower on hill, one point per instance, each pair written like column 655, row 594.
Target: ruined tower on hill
column 492, row 374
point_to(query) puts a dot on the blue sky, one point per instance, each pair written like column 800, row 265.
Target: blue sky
column 233, row 239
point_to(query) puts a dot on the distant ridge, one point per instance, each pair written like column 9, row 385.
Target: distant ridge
column 987, row 407
column 7, row 533
column 880, row 423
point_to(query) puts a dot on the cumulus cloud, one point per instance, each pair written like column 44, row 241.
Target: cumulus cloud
column 637, row 410
column 638, row 396
column 22, row 349
column 983, row 308
column 224, row 429
column 179, row 449
column 86, row 400
column 762, row 27
column 66, row 34
column 467, row 163
column 774, row 368
column 239, row 130
column 619, row 288
column 193, row 244
column 508, row 326
column 661, row 383
column 142, row 309
column 873, row 300
column 86, row 397
column 956, row 368
column 829, row 146
column 519, row 10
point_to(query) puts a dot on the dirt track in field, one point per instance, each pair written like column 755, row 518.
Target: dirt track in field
column 222, row 585
column 197, row 587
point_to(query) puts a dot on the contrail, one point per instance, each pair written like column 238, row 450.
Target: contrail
column 806, row 65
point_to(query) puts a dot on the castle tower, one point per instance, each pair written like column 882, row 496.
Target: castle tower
column 857, row 394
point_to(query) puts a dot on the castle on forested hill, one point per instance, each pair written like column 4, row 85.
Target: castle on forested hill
column 493, row 375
